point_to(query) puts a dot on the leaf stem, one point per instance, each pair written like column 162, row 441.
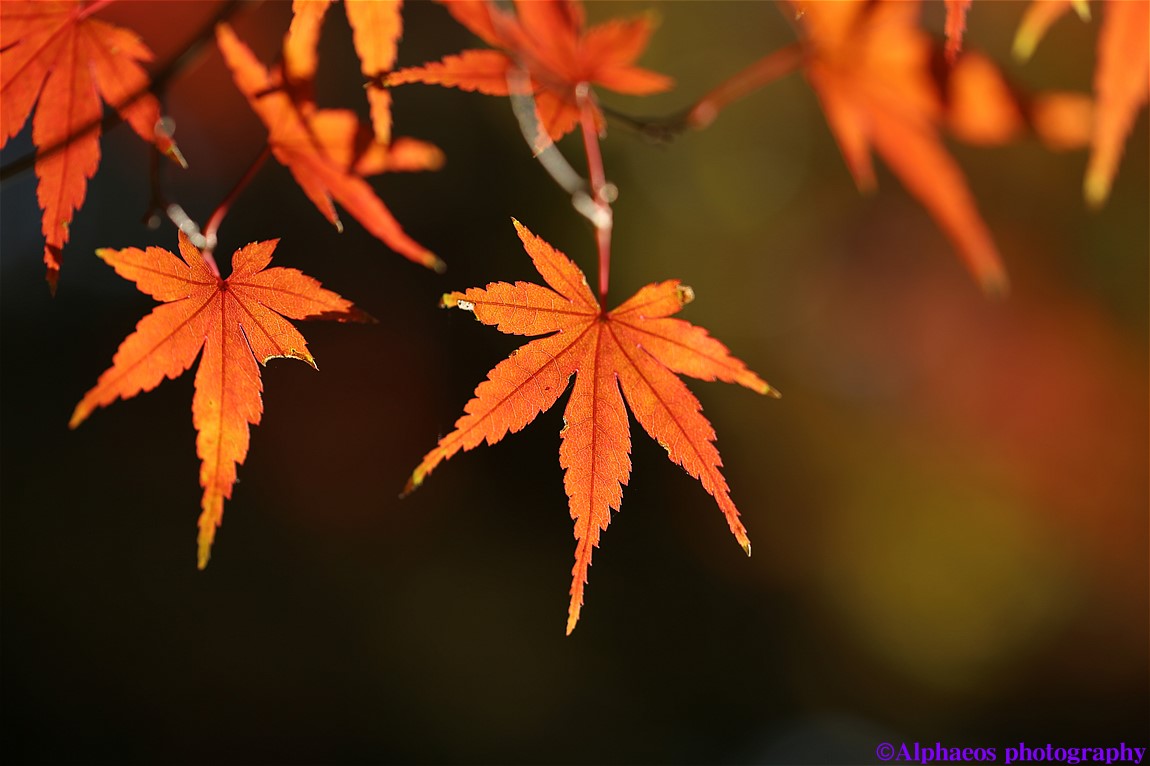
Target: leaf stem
column 762, row 72
column 603, row 192
column 217, row 217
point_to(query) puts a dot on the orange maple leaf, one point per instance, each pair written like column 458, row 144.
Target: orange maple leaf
column 1121, row 78
column 869, row 63
column 636, row 347
column 237, row 322
column 55, row 56
column 327, row 150
column 547, row 40
column 376, row 28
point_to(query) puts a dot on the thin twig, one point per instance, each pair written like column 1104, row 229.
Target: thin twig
column 704, row 111
column 220, row 212
column 762, row 72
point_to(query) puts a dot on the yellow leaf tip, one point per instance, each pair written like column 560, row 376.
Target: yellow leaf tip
column 1096, row 189
column 78, row 417
column 1082, row 8
column 177, row 156
column 455, row 301
column 413, row 483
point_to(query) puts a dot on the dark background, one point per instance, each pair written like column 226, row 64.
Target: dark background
column 948, row 506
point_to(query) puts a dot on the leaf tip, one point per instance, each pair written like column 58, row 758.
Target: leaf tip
column 573, row 616
column 176, row 155
column 305, row 357
column 350, row 314
column 413, row 482
column 429, row 260
column 995, row 286
column 685, row 294
column 79, row 415
column 744, row 542
column 209, row 521
column 52, row 276
column 1096, row 189
column 456, row 301
column 1025, row 43
column 204, row 546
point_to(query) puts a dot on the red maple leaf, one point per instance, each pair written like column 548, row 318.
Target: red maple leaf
column 1121, row 78
column 631, row 352
column 869, row 63
column 238, row 322
column 547, row 40
column 55, row 56
column 328, row 151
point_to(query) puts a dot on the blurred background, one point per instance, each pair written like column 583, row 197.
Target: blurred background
column 949, row 505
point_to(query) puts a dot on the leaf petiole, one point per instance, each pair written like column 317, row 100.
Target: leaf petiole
column 762, row 72
column 603, row 193
column 217, row 217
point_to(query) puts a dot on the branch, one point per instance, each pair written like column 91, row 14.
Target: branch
column 763, row 72
column 704, row 111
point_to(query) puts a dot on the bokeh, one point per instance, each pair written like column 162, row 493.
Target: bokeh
column 949, row 505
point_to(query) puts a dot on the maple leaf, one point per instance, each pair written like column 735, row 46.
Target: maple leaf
column 328, row 151
column 376, row 28
column 238, row 322
column 547, row 40
column 869, row 64
column 1121, row 78
column 56, row 57
column 636, row 347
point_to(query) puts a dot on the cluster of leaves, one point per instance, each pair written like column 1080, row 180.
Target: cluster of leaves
column 884, row 84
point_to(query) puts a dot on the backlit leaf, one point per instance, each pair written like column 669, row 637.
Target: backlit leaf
column 548, row 41
column 870, row 64
column 328, row 151
column 1121, row 78
column 56, row 57
column 376, row 28
column 237, row 322
column 631, row 354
